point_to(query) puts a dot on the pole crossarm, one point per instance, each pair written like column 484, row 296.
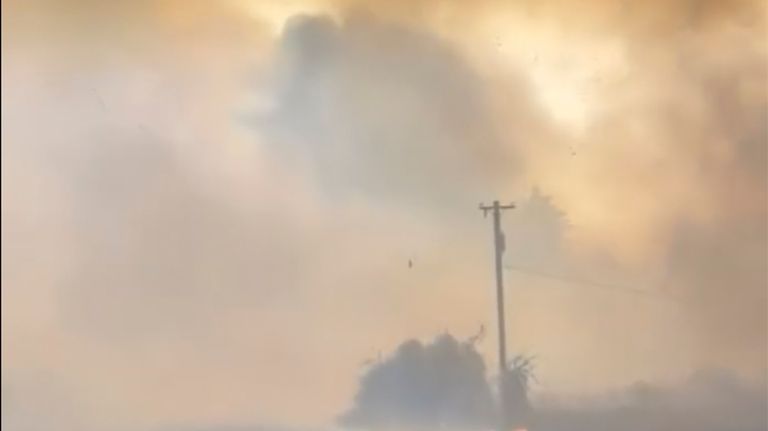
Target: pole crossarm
column 486, row 208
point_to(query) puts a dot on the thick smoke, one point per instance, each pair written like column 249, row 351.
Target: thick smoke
column 668, row 175
column 190, row 274
column 212, row 258
column 705, row 123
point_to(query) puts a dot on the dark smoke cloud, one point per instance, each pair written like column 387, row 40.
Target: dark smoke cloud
column 385, row 110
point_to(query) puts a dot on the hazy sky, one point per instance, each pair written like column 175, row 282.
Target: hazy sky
column 208, row 206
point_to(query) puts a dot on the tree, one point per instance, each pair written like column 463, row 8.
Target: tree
column 425, row 386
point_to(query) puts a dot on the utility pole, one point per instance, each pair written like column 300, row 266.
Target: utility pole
column 499, row 244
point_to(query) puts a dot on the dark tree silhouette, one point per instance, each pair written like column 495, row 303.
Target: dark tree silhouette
column 541, row 227
column 437, row 385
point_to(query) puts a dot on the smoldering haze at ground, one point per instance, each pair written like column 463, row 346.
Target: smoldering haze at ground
column 125, row 250
column 706, row 401
column 443, row 383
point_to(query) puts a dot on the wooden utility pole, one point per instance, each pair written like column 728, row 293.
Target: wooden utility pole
column 499, row 244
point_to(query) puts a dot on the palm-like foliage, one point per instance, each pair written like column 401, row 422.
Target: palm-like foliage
column 520, row 368
column 516, row 384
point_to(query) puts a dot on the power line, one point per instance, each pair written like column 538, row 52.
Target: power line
column 598, row 285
